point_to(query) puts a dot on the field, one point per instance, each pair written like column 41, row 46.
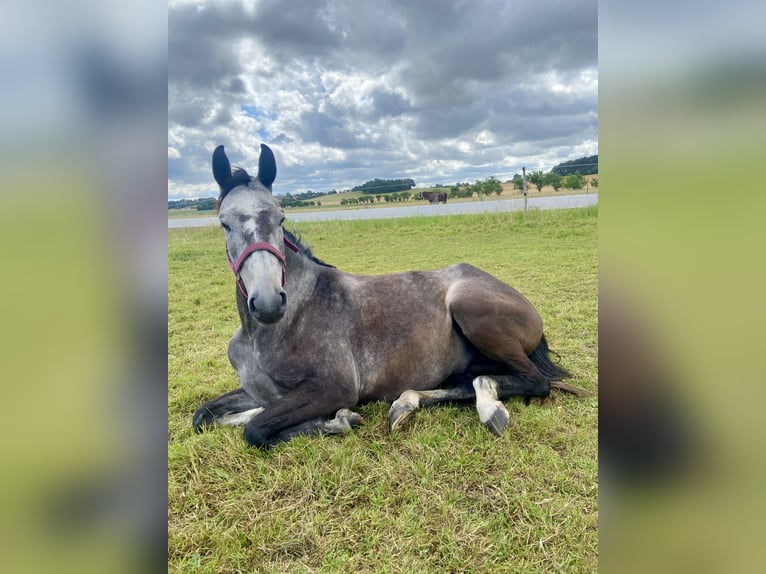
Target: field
column 441, row 495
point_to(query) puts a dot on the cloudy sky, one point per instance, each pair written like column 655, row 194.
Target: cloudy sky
column 345, row 91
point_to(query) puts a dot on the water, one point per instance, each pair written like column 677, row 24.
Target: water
column 484, row 206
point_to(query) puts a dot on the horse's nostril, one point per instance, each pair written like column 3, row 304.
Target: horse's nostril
column 283, row 295
column 251, row 304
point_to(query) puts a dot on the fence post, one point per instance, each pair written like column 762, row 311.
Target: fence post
column 524, row 187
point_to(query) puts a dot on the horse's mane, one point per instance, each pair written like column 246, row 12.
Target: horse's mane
column 305, row 249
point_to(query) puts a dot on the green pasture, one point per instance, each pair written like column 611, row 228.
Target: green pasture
column 442, row 494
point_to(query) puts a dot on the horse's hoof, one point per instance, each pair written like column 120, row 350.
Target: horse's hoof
column 353, row 419
column 498, row 421
column 402, row 409
column 399, row 415
column 202, row 419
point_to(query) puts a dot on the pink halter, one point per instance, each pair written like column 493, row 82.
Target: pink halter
column 260, row 246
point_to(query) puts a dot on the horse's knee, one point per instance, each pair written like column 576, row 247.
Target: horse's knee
column 257, row 436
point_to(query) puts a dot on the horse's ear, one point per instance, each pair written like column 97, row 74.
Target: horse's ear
column 221, row 166
column 267, row 166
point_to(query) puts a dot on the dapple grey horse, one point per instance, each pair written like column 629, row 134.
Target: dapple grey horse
column 314, row 341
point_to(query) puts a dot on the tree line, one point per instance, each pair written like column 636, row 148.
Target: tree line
column 381, row 186
column 566, row 175
column 484, row 187
column 302, row 199
column 539, row 179
column 387, row 197
column 204, row 204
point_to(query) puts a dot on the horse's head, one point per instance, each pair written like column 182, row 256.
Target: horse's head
column 252, row 218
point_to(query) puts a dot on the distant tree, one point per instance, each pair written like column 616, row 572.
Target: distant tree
column 517, row 181
column 594, row 182
column 574, row 181
column 553, row 179
column 536, row 178
column 492, row 185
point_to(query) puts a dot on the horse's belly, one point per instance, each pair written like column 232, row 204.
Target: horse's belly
column 413, row 368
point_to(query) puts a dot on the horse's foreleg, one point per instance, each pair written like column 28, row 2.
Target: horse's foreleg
column 299, row 409
column 232, row 408
column 408, row 402
column 344, row 421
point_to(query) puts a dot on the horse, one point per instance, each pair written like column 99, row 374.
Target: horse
column 310, row 347
column 434, row 197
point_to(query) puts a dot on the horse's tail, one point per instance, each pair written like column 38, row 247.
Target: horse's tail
column 542, row 360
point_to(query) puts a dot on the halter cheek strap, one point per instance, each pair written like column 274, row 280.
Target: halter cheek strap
column 260, row 246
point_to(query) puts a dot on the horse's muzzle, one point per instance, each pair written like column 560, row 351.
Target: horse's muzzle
column 267, row 309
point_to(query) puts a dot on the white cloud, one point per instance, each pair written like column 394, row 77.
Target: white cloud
column 345, row 92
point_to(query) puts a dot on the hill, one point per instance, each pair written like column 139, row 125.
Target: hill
column 583, row 166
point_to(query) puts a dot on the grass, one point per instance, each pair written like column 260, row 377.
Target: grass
column 442, row 495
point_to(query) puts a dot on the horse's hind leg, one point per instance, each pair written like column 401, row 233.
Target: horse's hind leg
column 492, row 412
column 408, row 402
column 233, row 408
column 489, row 391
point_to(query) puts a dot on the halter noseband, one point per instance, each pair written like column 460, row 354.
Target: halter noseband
column 260, row 246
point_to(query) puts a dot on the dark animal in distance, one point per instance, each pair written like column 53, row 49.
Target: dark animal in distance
column 311, row 347
column 434, row 197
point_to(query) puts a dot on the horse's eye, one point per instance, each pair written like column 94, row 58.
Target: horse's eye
column 225, row 227
column 281, row 221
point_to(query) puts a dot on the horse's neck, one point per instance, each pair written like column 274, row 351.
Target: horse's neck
column 301, row 276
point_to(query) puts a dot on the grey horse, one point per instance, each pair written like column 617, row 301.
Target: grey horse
column 311, row 347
